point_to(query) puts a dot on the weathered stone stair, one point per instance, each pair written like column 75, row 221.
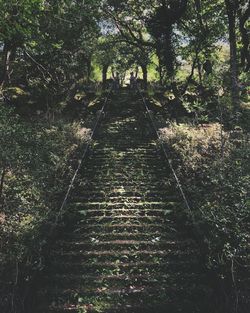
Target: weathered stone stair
column 122, row 249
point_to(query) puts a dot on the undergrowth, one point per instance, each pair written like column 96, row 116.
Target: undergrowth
column 214, row 168
column 36, row 164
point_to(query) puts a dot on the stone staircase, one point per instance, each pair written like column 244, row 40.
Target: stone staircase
column 123, row 248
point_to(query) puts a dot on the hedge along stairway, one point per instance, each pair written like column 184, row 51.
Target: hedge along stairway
column 122, row 249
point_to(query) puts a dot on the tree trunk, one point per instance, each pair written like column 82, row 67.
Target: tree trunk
column 199, row 70
column 145, row 75
column 161, row 73
column 88, row 69
column 104, row 75
column 190, row 77
column 160, row 68
column 2, row 182
column 245, row 55
column 8, row 53
column 231, row 7
column 199, row 12
column 169, row 53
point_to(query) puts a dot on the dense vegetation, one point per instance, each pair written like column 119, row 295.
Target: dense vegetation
column 214, row 169
column 193, row 62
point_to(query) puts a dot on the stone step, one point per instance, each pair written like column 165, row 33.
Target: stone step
column 120, row 268
column 124, row 176
column 123, row 149
column 95, row 155
column 125, row 160
column 123, row 143
column 79, row 203
column 152, row 306
column 133, row 154
column 133, row 228
column 120, row 280
column 122, row 219
column 126, row 211
column 131, row 168
column 94, row 256
column 143, row 291
column 118, row 234
column 93, row 184
column 122, row 192
column 142, row 163
column 121, row 199
column 119, row 245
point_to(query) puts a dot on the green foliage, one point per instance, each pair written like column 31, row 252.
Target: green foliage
column 213, row 166
column 18, row 20
column 49, row 49
column 35, row 167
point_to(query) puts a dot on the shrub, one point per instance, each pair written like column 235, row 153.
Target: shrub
column 35, row 167
column 214, row 168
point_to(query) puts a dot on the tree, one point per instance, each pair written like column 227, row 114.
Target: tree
column 106, row 54
column 232, row 7
column 200, row 36
column 18, row 22
column 243, row 13
column 149, row 24
column 161, row 26
column 52, row 43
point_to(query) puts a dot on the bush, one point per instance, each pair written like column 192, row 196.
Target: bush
column 214, row 168
column 35, row 167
